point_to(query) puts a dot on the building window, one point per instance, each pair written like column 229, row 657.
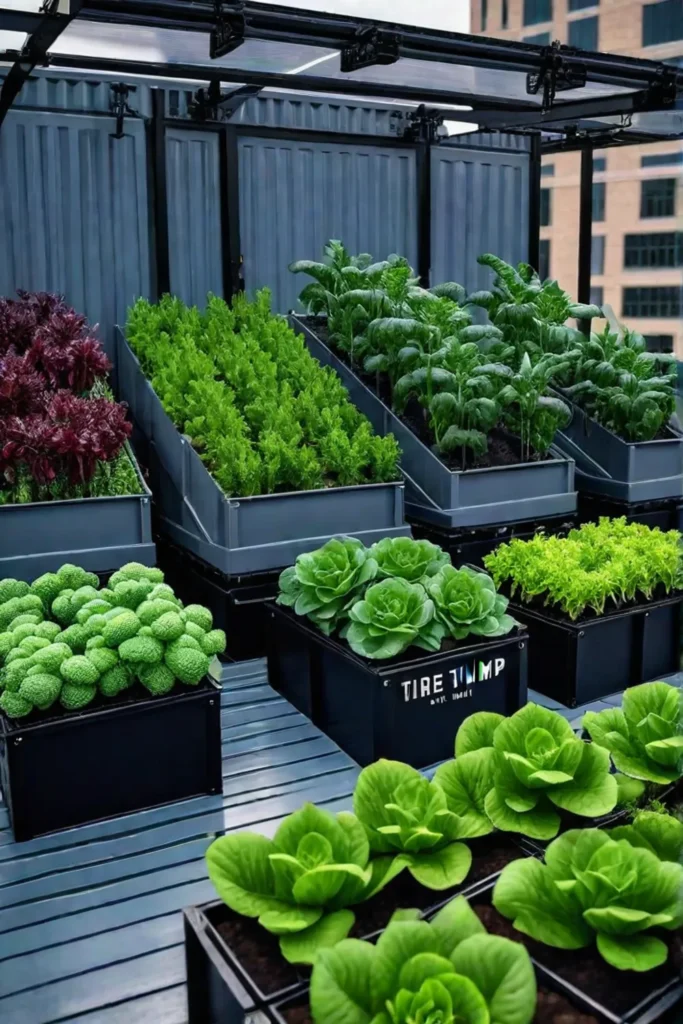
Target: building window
column 599, row 164
column 662, row 22
column 544, row 259
column 484, row 14
column 579, row 5
column 664, row 301
column 537, row 11
column 658, row 197
column 547, row 170
column 546, row 208
column 597, row 295
column 661, row 159
column 541, row 39
column 583, row 33
column 661, row 249
column 659, row 342
column 598, row 254
column 598, row 200
column 505, row 15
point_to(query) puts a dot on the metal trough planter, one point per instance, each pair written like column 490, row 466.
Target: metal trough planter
column 99, row 534
column 243, row 535
column 628, row 471
column 445, row 498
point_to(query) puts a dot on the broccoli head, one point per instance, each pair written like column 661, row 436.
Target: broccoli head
column 10, row 588
column 79, row 671
column 33, row 643
column 15, row 706
column 48, row 630
column 186, row 664
column 118, row 609
column 22, row 631
column 47, row 587
column 168, row 627
column 158, row 679
column 145, row 631
column 7, row 643
column 144, row 649
column 94, row 627
column 136, row 571
column 188, row 641
column 131, row 593
column 16, row 606
column 41, row 689
column 200, row 615
column 98, row 606
column 13, row 674
column 51, row 657
column 213, row 642
column 71, row 577
column 154, row 608
column 192, row 629
column 75, row 636
column 163, row 592
column 103, row 658
column 26, row 619
column 72, row 698
column 15, row 655
column 94, row 642
column 61, row 607
column 121, row 628
column 114, row 680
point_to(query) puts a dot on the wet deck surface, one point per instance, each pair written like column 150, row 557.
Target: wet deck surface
column 90, row 929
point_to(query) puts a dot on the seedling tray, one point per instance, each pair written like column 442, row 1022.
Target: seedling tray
column 441, row 497
column 238, row 605
column 470, row 545
column 128, row 753
column 408, row 708
column 634, row 472
column 234, row 967
column 99, row 534
column 579, row 662
column 243, row 535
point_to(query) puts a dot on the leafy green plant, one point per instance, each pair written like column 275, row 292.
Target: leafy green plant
column 531, row 413
column 391, row 616
column 299, row 884
column 324, row 583
column 538, row 765
column 466, row 603
column 657, row 831
column 598, row 564
column 645, row 735
column 407, row 816
column 447, row 971
column 595, row 888
column 408, row 559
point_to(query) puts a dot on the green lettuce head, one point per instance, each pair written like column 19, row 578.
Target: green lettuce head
column 391, row 616
column 447, row 971
column 408, row 559
column 645, row 735
column 466, row 603
column 406, row 815
column 657, row 831
column 538, row 765
column 300, row 883
column 595, row 888
column 325, row 582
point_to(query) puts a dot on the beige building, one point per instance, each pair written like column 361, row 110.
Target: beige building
column 638, row 190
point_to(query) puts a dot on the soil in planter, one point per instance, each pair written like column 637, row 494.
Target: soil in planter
column 258, row 951
column 504, row 449
column 551, row 1008
column 618, row 991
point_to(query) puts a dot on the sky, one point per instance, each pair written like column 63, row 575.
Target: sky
column 449, row 15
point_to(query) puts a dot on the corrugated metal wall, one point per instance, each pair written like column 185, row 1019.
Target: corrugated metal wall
column 480, row 203
column 294, row 196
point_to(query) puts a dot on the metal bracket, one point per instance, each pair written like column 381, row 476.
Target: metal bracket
column 213, row 105
column 229, row 30
column 118, row 104
column 424, row 125
column 663, row 92
column 370, row 46
column 556, row 74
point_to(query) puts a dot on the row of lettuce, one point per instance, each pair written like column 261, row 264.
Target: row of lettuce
column 66, row 639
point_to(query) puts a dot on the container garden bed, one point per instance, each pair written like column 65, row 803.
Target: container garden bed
column 437, row 495
column 59, row 769
column 665, row 514
column 238, row 605
column 407, row 708
column 627, row 471
column 234, row 966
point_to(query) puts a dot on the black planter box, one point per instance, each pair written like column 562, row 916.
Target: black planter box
column 666, row 514
column 124, row 754
column 469, row 546
column 408, row 708
column 238, row 603
column 579, row 662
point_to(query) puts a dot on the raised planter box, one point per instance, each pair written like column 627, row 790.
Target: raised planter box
column 243, row 535
column 408, row 708
column 578, row 662
column 234, row 967
column 99, row 534
column 118, row 755
column 470, row 545
column 666, row 514
column 633, row 472
column 441, row 497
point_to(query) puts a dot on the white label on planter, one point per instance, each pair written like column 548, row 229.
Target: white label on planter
column 452, row 684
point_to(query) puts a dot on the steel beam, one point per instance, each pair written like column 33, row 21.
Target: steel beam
column 585, row 228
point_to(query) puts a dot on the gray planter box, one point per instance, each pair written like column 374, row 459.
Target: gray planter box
column 605, row 464
column 243, row 535
column 446, row 498
column 99, row 534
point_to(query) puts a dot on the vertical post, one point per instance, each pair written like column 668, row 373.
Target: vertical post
column 231, row 244
column 156, row 164
column 534, row 243
column 585, row 230
column 423, row 161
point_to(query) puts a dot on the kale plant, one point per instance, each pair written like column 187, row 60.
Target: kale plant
column 391, row 616
column 595, row 888
column 447, row 971
column 645, row 735
column 466, row 603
